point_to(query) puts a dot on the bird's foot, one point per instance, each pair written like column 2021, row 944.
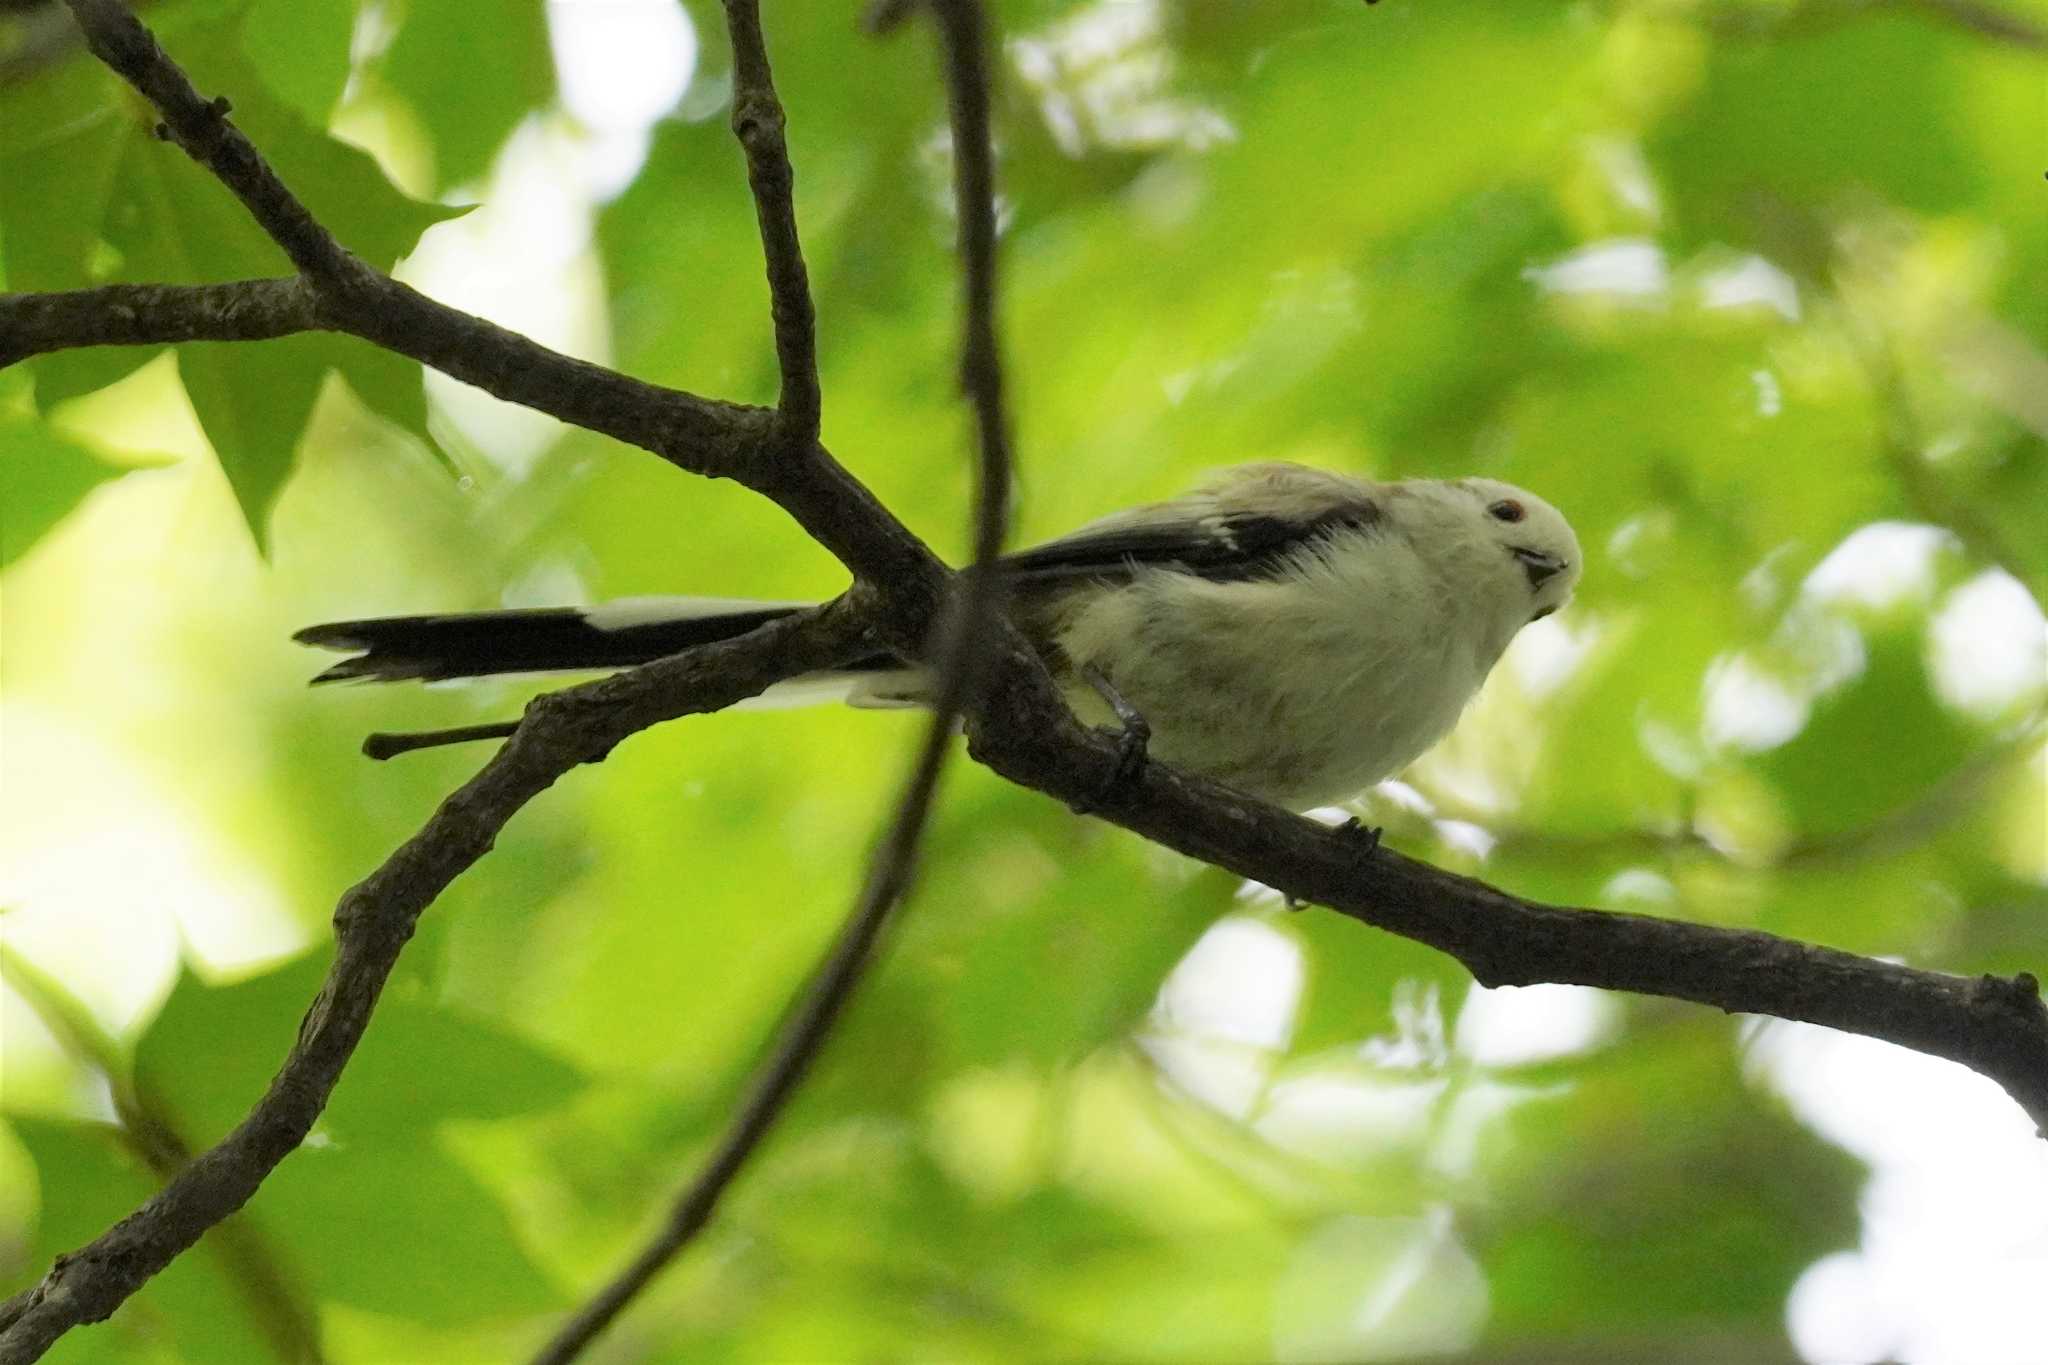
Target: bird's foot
column 1133, row 740
column 1369, row 834
column 1354, row 828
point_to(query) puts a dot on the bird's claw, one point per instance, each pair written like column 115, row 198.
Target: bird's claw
column 1132, row 739
column 1369, row 833
column 1132, row 743
column 1353, row 827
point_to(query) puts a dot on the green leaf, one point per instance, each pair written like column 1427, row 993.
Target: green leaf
column 391, row 385
column 399, row 1227
column 170, row 220
column 64, row 375
column 665, row 267
column 257, row 1016
column 89, row 1179
column 253, row 402
column 418, row 1066
column 1852, row 763
column 471, row 73
column 421, row 1066
column 51, row 247
column 340, row 184
column 1585, row 1242
column 301, row 48
column 42, row 477
column 51, row 104
column 1353, row 971
column 63, row 138
column 1871, row 103
column 195, row 1309
column 1107, row 929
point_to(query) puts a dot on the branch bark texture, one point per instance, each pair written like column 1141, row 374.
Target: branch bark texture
column 1015, row 719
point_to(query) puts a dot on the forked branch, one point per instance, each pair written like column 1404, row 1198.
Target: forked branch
column 1016, row 722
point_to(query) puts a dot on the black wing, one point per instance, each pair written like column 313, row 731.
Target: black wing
column 1226, row 547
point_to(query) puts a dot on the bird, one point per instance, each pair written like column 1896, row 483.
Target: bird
column 1294, row 633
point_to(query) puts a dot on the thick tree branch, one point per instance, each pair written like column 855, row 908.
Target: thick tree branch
column 154, row 314
column 1992, row 1025
column 971, row 628
column 701, row 435
column 373, row 922
column 757, row 120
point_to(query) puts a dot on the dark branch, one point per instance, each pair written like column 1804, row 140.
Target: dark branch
column 971, row 628
column 1018, row 726
column 703, row 436
column 153, row 314
column 757, row 120
column 974, row 191
column 382, row 745
column 201, row 127
column 373, row 922
column 1994, row 1026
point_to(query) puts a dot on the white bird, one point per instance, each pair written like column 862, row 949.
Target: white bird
column 1293, row 633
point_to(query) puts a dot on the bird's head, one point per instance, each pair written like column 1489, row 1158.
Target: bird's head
column 1500, row 540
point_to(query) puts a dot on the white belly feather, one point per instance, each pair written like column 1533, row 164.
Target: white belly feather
column 1300, row 698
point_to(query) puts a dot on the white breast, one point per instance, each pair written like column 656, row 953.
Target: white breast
column 1299, row 692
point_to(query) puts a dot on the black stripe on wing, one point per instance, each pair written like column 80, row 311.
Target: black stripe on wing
column 1223, row 547
column 473, row 644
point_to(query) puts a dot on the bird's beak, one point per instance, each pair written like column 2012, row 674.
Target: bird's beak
column 1540, row 567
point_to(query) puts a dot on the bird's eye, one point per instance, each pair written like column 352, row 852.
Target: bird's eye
column 1507, row 509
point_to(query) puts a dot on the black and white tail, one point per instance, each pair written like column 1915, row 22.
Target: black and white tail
column 474, row 644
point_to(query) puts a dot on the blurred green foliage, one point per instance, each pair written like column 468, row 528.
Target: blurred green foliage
column 1726, row 281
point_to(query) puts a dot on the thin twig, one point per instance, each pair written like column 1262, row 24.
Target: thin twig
column 758, row 121
column 965, row 644
column 383, row 744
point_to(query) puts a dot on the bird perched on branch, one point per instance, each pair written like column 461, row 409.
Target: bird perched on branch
column 1293, row 633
